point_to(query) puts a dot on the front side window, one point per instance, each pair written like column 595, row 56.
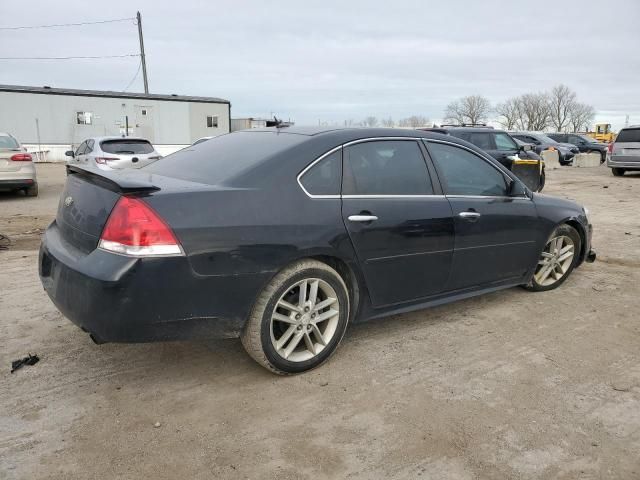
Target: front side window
column 325, row 177
column 81, row 148
column 385, row 167
column 212, row 122
column 84, row 118
column 504, row 142
column 464, row 173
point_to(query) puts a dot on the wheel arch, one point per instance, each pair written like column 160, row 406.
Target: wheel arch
column 573, row 222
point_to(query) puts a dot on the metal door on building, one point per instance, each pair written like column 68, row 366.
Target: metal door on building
column 144, row 123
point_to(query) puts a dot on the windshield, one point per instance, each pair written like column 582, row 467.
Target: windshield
column 130, row 147
column 546, row 139
column 8, row 142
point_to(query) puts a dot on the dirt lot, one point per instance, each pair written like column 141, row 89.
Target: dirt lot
column 509, row 385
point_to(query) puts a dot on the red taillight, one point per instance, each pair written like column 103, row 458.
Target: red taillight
column 610, row 147
column 21, row 157
column 133, row 228
column 104, row 160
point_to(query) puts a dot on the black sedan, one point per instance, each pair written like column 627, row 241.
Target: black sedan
column 283, row 236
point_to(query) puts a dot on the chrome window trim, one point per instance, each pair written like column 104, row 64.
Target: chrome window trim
column 424, row 139
column 392, row 196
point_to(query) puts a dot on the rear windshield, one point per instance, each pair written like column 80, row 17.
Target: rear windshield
column 8, row 142
column 222, row 158
column 131, row 147
column 629, row 135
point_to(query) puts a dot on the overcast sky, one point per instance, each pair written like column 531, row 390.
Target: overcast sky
column 336, row 60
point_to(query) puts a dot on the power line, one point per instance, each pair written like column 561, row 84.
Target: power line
column 25, row 27
column 134, row 77
column 89, row 57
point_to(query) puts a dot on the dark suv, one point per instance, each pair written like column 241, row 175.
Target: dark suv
column 584, row 143
column 503, row 147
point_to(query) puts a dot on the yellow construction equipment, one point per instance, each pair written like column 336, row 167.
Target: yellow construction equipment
column 603, row 133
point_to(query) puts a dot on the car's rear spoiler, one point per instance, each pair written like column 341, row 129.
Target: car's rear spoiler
column 117, row 181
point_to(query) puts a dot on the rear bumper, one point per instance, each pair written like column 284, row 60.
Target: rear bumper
column 17, row 183
column 632, row 163
column 122, row 299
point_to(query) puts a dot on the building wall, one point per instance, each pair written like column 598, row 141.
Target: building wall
column 172, row 123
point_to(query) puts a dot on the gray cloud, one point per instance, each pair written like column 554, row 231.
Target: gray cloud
column 331, row 60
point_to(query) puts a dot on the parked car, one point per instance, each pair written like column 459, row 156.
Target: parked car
column 542, row 142
column 584, row 142
column 17, row 171
column 108, row 153
column 624, row 152
column 203, row 139
column 501, row 146
column 304, row 231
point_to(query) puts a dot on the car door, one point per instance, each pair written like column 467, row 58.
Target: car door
column 399, row 223
column 495, row 233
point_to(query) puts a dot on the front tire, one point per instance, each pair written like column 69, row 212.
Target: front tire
column 298, row 319
column 557, row 260
column 618, row 172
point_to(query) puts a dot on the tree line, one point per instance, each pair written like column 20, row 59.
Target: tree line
column 557, row 109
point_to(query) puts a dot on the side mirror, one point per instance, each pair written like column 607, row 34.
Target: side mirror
column 69, row 153
column 526, row 148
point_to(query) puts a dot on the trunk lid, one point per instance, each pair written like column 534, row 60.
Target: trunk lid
column 86, row 202
column 6, row 164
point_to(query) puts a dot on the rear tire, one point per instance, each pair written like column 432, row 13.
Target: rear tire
column 557, row 259
column 291, row 332
column 618, row 172
column 31, row 191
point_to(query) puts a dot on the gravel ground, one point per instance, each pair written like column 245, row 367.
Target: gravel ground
column 508, row 385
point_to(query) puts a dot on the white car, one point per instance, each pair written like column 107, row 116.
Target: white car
column 17, row 171
column 108, row 153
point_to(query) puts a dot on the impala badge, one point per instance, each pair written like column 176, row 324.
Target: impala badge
column 68, row 201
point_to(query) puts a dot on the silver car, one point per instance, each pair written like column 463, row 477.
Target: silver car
column 17, row 171
column 624, row 152
column 109, row 153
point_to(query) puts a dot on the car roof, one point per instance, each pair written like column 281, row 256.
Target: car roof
column 347, row 134
column 115, row 137
column 465, row 129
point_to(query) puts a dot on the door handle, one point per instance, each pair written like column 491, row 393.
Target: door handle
column 469, row 215
column 362, row 218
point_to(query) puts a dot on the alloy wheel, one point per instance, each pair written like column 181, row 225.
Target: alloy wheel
column 555, row 261
column 304, row 320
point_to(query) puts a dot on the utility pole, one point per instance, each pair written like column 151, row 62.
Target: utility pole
column 142, row 59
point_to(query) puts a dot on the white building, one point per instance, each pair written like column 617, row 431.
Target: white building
column 54, row 120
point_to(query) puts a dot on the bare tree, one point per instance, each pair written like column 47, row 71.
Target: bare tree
column 471, row 109
column 370, row 121
column 561, row 101
column 414, row 121
column 534, row 111
column 509, row 113
column 581, row 116
column 388, row 122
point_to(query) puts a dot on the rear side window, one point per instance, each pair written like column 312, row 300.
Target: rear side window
column 393, row 167
column 464, row 173
column 629, row 135
column 8, row 142
column 483, row 141
column 130, row 147
column 325, row 177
